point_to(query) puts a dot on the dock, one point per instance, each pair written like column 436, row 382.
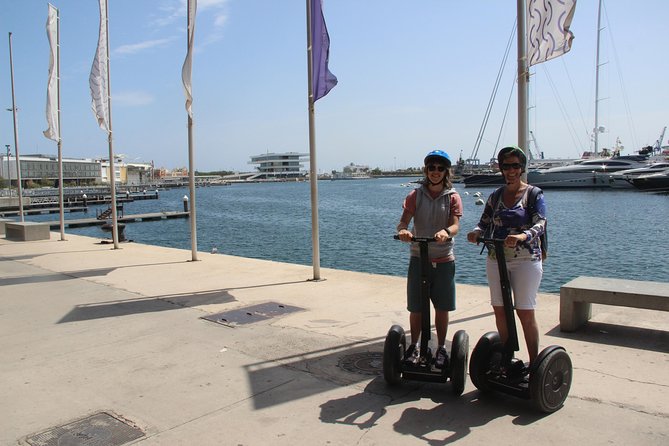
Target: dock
column 40, row 211
column 80, row 222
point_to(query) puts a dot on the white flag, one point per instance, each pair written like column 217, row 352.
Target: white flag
column 98, row 78
column 188, row 63
column 52, row 132
column 548, row 34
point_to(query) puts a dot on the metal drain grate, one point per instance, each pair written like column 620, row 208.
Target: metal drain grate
column 366, row 363
column 100, row 429
column 251, row 314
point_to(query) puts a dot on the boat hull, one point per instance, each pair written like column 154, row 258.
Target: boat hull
column 483, row 179
column 653, row 183
column 566, row 180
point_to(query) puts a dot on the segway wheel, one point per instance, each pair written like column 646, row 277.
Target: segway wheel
column 393, row 352
column 479, row 365
column 459, row 355
column 550, row 381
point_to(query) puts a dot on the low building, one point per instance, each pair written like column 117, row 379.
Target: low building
column 279, row 165
column 129, row 174
column 44, row 169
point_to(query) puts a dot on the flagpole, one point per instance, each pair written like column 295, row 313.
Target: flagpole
column 313, row 173
column 191, row 159
column 60, row 148
column 112, row 169
column 523, row 79
column 16, row 133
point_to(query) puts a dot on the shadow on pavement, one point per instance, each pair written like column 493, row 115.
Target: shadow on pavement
column 619, row 335
column 140, row 305
column 450, row 420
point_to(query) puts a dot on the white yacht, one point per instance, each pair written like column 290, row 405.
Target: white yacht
column 585, row 173
column 623, row 179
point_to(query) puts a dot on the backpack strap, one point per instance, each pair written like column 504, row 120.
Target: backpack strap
column 532, row 196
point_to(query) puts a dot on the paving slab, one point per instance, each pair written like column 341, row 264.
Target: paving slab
column 85, row 328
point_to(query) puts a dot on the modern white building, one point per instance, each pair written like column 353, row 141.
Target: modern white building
column 279, row 165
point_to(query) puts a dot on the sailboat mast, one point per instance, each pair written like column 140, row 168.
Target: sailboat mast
column 596, row 129
column 523, row 77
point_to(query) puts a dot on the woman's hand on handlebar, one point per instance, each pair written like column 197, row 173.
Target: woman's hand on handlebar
column 442, row 236
column 512, row 240
column 474, row 237
column 405, row 235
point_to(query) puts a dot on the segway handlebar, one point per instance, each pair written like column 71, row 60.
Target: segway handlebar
column 489, row 240
column 418, row 239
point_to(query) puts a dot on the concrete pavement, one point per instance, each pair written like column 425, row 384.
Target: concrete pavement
column 85, row 329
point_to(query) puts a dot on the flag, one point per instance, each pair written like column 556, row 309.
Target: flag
column 548, row 34
column 322, row 80
column 188, row 63
column 52, row 132
column 99, row 74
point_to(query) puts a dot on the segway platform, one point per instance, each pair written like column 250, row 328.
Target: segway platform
column 396, row 369
column 494, row 367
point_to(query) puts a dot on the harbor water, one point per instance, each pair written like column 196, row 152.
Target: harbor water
column 604, row 233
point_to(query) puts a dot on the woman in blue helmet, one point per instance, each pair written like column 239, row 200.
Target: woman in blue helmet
column 509, row 215
column 436, row 209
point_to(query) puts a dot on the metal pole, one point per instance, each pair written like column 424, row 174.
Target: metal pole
column 16, row 133
column 523, row 81
column 596, row 129
column 112, row 170
column 9, row 172
column 313, row 173
column 191, row 157
column 60, row 148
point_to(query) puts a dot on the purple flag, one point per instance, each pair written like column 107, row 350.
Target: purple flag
column 322, row 80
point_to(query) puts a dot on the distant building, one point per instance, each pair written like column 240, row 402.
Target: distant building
column 44, row 168
column 279, row 165
column 352, row 172
column 129, row 174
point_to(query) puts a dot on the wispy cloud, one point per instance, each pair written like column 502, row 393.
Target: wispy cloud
column 212, row 18
column 132, row 99
column 134, row 48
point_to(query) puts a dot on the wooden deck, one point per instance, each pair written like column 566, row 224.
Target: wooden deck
column 75, row 223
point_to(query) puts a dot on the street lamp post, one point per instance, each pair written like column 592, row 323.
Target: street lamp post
column 9, row 172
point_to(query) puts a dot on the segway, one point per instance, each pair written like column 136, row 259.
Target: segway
column 493, row 365
column 395, row 369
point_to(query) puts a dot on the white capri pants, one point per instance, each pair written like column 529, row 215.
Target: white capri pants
column 525, row 277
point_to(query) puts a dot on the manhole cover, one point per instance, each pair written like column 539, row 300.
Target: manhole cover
column 251, row 314
column 366, row 363
column 100, row 429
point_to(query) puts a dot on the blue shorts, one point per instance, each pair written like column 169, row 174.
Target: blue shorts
column 525, row 277
column 442, row 285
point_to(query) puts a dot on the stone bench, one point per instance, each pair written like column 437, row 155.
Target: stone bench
column 577, row 296
column 27, row 231
column 3, row 222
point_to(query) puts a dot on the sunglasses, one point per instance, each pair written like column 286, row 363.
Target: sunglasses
column 506, row 166
column 433, row 167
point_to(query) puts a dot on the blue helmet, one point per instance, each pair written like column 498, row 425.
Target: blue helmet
column 438, row 156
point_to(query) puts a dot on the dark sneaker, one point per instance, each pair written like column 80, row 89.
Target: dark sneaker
column 411, row 355
column 442, row 359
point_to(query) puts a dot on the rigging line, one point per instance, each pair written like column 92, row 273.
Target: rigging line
column 501, row 127
column 491, row 101
column 563, row 110
column 578, row 104
column 628, row 111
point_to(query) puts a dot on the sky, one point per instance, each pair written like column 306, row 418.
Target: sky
column 413, row 76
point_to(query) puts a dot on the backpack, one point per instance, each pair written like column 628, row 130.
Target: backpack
column 532, row 195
